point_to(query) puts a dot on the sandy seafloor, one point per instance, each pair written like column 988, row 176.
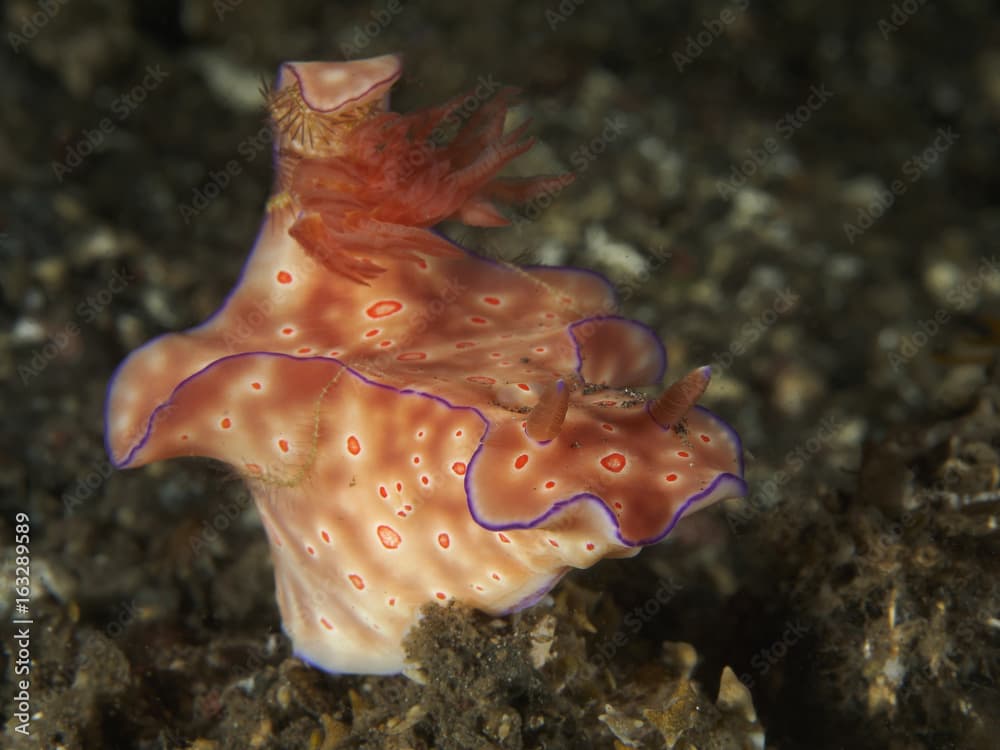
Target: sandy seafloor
column 730, row 157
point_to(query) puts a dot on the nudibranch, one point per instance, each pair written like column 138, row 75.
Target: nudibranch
column 417, row 423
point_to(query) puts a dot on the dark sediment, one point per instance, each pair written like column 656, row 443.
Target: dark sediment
column 805, row 198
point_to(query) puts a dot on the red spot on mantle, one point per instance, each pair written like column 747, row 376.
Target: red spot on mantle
column 614, row 462
column 384, row 307
column 353, row 446
column 389, row 537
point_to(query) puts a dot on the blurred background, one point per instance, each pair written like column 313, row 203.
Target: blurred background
column 802, row 194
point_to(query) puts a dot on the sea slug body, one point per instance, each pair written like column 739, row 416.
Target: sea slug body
column 417, row 423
